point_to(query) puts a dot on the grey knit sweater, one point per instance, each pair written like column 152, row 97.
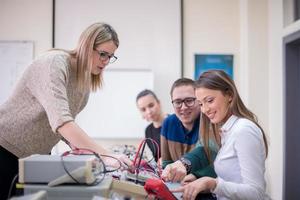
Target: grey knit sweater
column 44, row 99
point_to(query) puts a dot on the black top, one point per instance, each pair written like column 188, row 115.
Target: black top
column 153, row 133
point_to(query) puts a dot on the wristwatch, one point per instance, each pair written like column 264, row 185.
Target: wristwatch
column 187, row 164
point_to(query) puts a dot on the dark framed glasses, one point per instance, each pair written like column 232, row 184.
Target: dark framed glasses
column 104, row 56
column 188, row 102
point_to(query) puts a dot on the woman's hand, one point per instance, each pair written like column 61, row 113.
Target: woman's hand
column 112, row 162
column 188, row 178
column 174, row 172
column 191, row 190
column 124, row 159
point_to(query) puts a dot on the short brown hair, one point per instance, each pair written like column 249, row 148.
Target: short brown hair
column 182, row 82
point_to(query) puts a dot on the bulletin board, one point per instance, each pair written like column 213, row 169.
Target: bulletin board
column 14, row 58
column 204, row 62
column 111, row 112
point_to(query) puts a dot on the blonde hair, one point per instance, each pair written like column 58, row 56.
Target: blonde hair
column 219, row 80
column 90, row 38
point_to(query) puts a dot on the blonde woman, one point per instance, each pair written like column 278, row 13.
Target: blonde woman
column 52, row 91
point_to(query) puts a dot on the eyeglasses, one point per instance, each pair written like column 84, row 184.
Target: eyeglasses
column 188, row 102
column 104, row 56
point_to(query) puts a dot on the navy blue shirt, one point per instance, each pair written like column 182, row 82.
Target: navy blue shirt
column 176, row 140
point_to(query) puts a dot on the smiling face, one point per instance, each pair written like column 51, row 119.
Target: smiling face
column 214, row 104
column 186, row 114
column 149, row 108
column 99, row 63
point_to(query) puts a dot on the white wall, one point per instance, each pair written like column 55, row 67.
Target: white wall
column 275, row 71
column 258, row 60
column 27, row 20
column 258, row 82
column 210, row 27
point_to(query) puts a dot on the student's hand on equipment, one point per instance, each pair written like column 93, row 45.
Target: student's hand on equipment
column 114, row 160
column 124, row 159
column 174, row 172
column 188, row 178
column 191, row 190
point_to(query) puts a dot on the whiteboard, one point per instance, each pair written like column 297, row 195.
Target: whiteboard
column 15, row 56
column 111, row 112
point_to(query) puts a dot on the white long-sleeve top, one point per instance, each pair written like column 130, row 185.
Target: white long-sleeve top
column 240, row 163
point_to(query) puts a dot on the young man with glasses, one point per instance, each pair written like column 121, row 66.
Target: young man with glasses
column 180, row 131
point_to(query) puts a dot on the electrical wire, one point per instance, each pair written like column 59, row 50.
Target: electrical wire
column 139, row 156
column 67, row 171
column 139, row 163
column 155, row 147
column 158, row 153
column 11, row 185
column 120, row 163
column 79, row 151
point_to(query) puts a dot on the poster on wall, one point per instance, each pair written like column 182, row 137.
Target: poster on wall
column 204, row 62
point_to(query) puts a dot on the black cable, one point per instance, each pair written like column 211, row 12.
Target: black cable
column 11, row 185
column 67, row 171
column 120, row 163
column 98, row 156
column 156, row 147
column 139, row 163
column 99, row 160
column 156, row 151
column 149, row 161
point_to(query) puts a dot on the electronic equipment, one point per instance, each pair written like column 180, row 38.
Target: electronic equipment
column 71, row 191
column 141, row 177
column 55, row 169
column 141, row 170
column 157, row 188
column 141, row 173
column 39, row 195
